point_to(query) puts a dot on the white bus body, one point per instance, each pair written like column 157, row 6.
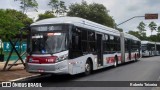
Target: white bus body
column 157, row 47
column 81, row 46
column 150, row 48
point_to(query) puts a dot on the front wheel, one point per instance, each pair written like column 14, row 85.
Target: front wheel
column 87, row 68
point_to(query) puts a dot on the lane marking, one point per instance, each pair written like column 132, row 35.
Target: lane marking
column 24, row 78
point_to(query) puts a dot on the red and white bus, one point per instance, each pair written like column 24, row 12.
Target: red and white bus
column 72, row 45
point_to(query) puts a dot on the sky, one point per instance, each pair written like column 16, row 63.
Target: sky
column 120, row 10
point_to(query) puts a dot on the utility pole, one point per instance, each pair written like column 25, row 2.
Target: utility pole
column 129, row 20
column 147, row 16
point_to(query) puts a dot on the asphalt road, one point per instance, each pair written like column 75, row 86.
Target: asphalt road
column 146, row 69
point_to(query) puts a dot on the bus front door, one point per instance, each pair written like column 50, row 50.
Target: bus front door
column 99, row 50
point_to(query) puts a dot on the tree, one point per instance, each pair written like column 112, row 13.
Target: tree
column 153, row 38
column 27, row 4
column 58, row 7
column 158, row 29
column 135, row 33
column 94, row 12
column 53, row 4
column 138, row 35
column 11, row 22
column 119, row 29
column 141, row 28
column 63, row 8
column 47, row 14
column 152, row 26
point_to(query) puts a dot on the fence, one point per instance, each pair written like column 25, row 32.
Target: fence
column 19, row 47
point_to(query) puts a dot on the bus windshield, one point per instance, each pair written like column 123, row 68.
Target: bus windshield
column 144, row 47
column 48, row 43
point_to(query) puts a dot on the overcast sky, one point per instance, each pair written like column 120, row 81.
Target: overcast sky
column 120, row 10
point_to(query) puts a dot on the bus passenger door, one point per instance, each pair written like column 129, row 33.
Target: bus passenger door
column 99, row 50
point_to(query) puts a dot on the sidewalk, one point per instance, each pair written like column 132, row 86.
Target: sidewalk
column 15, row 72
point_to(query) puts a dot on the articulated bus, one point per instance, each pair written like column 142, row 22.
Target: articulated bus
column 72, row 45
column 150, row 48
column 157, row 48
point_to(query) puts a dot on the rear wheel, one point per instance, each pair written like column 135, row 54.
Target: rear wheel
column 88, row 68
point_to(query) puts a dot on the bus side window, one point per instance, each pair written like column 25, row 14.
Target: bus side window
column 91, row 41
column 106, row 43
column 76, row 39
column 84, row 41
column 76, row 43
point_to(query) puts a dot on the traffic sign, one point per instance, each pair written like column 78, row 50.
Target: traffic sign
column 151, row 16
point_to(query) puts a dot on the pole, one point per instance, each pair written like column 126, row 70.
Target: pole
column 129, row 20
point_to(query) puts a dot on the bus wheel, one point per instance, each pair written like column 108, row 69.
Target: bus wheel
column 115, row 61
column 87, row 68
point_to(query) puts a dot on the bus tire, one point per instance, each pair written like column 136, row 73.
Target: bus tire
column 88, row 67
column 115, row 61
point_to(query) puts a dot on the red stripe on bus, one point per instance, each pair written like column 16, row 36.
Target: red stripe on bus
column 41, row 60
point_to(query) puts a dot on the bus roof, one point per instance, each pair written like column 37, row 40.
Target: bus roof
column 157, row 43
column 126, row 35
column 80, row 22
column 147, row 42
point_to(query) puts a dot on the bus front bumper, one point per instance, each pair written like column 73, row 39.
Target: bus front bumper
column 56, row 68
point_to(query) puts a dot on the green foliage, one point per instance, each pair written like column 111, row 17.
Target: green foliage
column 138, row 35
column 152, row 26
column 46, row 15
column 11, row 22
column 158, row 29
column 141, row 27
column 27, row 4
column 94, row 12
column 119, row 29
column 58, row 7
column 53, row 4
column 155, row 38
column 135, row 33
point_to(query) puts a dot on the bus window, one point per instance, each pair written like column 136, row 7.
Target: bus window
column 76, row 39
column 76, row 43
column 91, row 41
column 84, row 41
column 84, row 34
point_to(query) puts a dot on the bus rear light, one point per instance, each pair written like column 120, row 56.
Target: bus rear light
column 41, row 60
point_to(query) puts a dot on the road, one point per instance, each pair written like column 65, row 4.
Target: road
column 146, row 69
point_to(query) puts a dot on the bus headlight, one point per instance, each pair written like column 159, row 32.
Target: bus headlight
column 61, row 58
